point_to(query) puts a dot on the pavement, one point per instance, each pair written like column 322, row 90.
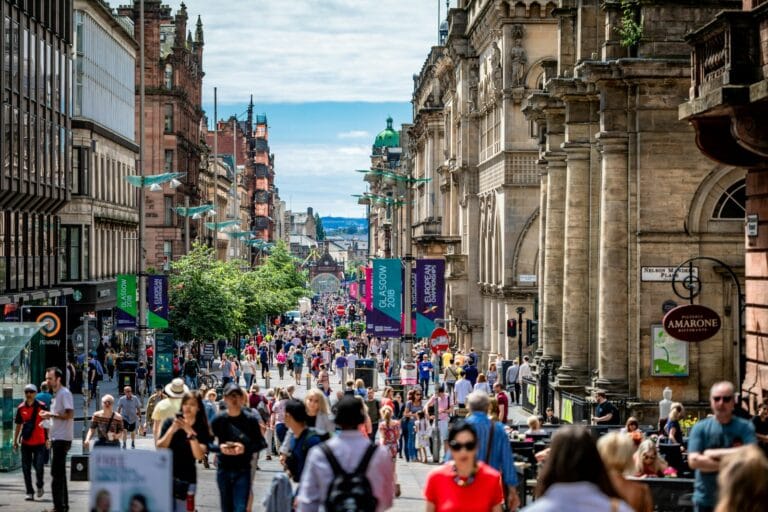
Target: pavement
column 411, row 475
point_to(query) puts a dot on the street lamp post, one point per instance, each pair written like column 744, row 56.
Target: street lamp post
column 520, row 310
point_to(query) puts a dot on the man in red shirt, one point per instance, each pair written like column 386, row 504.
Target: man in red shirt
column 501, row 398
column 32, row 439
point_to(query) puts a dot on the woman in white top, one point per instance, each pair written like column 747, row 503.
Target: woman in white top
column 249, row 369
column 534, row 426
column 482, row 384
column 574, row 477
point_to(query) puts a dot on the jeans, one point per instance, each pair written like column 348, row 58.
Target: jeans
column 59, row 451
column 424, row 382
column 33, row 455
column 234, row 489
column 374, row 430
column 225, row 381
column 280, row 431
column 248, row 377
column 280, row 369
column 410, row 439
column 191, row 382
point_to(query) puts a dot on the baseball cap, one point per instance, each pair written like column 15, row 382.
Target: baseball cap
column 30, row 387
column 232, row 388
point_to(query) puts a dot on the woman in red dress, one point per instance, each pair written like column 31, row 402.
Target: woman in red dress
column 463, row 484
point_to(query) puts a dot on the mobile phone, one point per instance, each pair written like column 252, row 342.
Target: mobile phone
column 180, row 415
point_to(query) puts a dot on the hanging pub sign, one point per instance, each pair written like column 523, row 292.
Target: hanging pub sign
column 692, row 322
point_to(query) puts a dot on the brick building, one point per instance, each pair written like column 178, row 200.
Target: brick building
column 261, row 178
column 173, row 75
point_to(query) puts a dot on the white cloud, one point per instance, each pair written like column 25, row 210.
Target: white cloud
column 313, row 50
column 354, row 134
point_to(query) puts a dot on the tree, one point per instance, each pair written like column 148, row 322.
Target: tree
column 351, row 229
column 319, row 229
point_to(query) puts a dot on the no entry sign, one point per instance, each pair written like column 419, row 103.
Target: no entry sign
column 340, row 310
column 439, row 340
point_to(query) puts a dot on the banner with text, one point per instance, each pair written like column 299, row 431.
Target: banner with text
column 157, row 300
column 130, row 480
column 387, row 298
column 430, row 295
column 49, row 348
column 367, row 288
column 127, row 309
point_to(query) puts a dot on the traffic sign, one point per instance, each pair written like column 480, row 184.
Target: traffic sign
column 340, row 310
column 439, row 340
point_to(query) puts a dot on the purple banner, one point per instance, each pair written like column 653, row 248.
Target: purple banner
column 430, row 295
column 386, row 287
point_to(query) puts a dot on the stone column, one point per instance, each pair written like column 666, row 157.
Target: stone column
column 574, row 366
column 552, row 303
column 542, row 243
column 613, row 308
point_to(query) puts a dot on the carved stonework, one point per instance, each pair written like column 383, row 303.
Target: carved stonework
column 517, row 56
column 496, row 70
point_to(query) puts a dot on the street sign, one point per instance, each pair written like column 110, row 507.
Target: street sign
column 340, row 310
column 692, row 322
column 207, row 351
column 439, row 340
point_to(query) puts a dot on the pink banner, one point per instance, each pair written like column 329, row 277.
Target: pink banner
column 368, row 288
column 353, row 288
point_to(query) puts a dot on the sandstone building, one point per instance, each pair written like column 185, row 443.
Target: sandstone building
column 174, row 140
column 728, row 108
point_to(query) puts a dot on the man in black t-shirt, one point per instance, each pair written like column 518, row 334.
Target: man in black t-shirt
column 239, row 437
column 605, row 413
column 761, row 427
column 191, row 370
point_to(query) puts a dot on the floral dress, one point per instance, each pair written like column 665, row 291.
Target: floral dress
column 389, row 435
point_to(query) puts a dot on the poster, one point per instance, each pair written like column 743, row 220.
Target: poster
column 126, row 309
column 367, row 288
column 567, row 413
column 384, row 318
column 669, row 356
column 157, row 301
column 120, row 479
column 430, row 295
column 49, row 347
column 164, row 358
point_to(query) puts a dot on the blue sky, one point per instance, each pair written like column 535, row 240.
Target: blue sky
column 326, row 72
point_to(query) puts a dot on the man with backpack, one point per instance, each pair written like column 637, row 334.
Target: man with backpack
column 347, row 472
column 95, row 374
column 32, row 437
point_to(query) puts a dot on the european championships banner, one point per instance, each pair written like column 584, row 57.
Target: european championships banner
column 430, row 295
column 387, row 298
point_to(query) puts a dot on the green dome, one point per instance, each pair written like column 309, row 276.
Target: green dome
column 387, row 138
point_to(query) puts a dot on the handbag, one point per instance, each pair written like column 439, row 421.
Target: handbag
column 105, row 441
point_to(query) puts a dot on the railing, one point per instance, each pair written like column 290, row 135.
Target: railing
column 725, row 52
column 261, row 171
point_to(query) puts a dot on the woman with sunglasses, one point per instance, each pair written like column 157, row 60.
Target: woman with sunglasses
column 412, row 408
column 463, row 484
column 648, row 462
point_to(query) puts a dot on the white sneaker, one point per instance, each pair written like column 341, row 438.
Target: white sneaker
column 40, row 492
column 29, row 497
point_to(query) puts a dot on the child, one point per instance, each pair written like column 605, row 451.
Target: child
column 423, row 434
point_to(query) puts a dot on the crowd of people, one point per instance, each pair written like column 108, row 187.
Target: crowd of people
column 341, row 443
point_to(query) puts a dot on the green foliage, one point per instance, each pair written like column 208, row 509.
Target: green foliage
column 212, row 299
column 342, row 332
column 319, row 229
column 630, row 30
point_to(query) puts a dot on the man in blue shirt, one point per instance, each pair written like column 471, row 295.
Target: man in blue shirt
column 713, row 438
column 470, row 373
column 493, row 450
column 425, row 370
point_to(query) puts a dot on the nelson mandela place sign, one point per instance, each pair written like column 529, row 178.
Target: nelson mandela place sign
column 692, row 322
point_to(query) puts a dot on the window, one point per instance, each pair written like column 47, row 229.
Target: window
column 168, row 76
column 168, row 166
column 167, row 255
column 732, row 204
column 70, row 264
column 80, row 175
column 169, row 118
column 168, row 213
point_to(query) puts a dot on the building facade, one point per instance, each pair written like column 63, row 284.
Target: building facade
column 626, row 197
column 262, row 179
column 98, row 235
column 728, row 109
column 174, row 138
column 35, row 176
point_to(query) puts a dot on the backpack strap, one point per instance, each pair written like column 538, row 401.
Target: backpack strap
column 490, row 443
column 335, row 466
column 363, row 466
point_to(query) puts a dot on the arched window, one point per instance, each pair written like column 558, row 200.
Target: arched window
column 732, row 203
column 168, row 76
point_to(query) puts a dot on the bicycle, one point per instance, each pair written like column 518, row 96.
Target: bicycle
column 209, row 380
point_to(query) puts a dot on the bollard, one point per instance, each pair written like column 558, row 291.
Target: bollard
column 309, row 381
column 266, row 381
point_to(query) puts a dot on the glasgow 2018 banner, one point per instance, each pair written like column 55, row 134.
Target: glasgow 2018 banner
column 430, row 295
column 386, row 285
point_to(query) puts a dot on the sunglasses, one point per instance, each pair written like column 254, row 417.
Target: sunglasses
column 469, row 446
column 29, row 391
column 725, row 399
column 107, row 402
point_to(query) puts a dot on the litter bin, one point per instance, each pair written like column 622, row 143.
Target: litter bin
column 126, row 376
column 366, row 369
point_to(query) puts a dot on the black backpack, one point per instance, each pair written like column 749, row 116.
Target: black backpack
column 350, row 492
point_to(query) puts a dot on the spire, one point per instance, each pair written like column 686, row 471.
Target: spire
column 189, row 38
column 199, row 31
column 389, row 123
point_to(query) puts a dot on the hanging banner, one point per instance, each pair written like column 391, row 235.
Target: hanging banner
column 387, row 296
column 368, row 288
column 126, row 308
column 157, row 301
column 413, row 304
column 430, row 295
column 353, row 290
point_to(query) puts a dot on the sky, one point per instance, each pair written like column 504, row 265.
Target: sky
column 327, row 73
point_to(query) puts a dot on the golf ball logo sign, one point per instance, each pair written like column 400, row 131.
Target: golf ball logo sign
column 50, row 328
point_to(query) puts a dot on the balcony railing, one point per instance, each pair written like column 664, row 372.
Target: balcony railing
column 725, row 53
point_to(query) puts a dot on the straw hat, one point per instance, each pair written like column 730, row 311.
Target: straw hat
column 176, row 388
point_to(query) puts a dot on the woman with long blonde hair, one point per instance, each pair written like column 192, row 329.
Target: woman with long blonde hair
column 648, row 462
column 389, row 433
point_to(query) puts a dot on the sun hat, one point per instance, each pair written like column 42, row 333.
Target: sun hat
column 176, row 388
